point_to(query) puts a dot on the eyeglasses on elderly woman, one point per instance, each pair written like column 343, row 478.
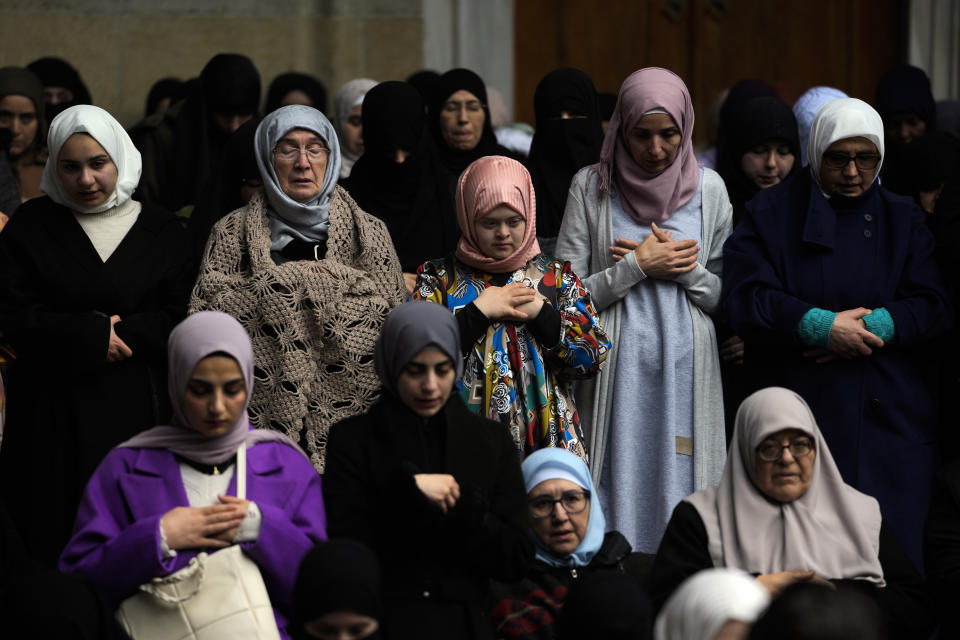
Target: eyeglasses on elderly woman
column 771, row 451
column 571, row 501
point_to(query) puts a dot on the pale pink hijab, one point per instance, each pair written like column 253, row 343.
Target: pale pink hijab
column 486, row 184
column 646, row 196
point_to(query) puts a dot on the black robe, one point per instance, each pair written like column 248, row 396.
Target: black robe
column 435, row 567
column 684, row 551
column 67, row 406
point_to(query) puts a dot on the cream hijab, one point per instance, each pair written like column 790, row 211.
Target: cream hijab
column 832, row 528
column 102, row 127
column 839, row 120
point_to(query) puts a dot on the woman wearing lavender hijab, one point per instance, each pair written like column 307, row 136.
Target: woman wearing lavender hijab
column 167, row 494
column 648, row 225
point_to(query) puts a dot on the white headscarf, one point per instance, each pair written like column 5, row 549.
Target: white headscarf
column 832, row 529
column 708, row 600
column 102, row 127
column 839, row 120
column 289, row 219
column 350, row 95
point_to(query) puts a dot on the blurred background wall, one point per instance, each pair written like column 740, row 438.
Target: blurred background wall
column 121, row 47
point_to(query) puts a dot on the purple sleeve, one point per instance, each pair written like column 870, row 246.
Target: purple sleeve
column 288, row 531
column 108, row 547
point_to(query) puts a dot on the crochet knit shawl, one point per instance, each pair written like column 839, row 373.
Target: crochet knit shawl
column 313, row 324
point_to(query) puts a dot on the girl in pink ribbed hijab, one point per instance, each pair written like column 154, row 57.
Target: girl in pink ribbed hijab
column 528, row 327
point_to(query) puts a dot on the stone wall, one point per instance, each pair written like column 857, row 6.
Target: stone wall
column 121, row 47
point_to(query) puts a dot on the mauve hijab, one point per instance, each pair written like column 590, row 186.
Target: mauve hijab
column 408, row 330
column 486, row 184
column 197, row 337
column 649, row 197
column 832, row 529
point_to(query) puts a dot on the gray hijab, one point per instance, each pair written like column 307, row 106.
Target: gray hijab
column 832, row 528
column 288, row 218
column 408, row 330
column 197, row 337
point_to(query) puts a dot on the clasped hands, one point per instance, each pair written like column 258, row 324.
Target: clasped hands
column 117, row 349
column 514, row 302
column 659, row 255
column 849, row 338
column 204, row 527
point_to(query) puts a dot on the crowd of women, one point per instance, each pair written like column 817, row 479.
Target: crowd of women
column 598, row 389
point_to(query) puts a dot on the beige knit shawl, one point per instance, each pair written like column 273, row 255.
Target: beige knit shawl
column 313, row 324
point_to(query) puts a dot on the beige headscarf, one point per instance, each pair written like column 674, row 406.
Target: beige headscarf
column 832, row 529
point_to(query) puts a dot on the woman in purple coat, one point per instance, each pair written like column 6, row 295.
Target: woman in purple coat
column 831, row 282
column 159, row 499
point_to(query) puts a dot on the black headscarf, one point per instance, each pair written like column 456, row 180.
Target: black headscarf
column 456, row 160
column 737, row 98
column 608, row 104
column 423, row 81
column 55, row 72
column 339, row 575
column 560, row 147
column 229, row 83
column 15, row 81
column 608, row 605
column 293, row 81
column 406, row 196
column 172, row 88
column 758, row 120
column 906, row 89
column 222, row 194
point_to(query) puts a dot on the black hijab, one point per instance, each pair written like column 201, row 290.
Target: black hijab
column 406, row 196
column 222, row 194
column 293, row 81
column 229, row 83
column 172, row 88
column 423, row 81
column 456, row 160
column 338, row 575
column 757, row 120
column 55, row 72
column 561, row 147
column 903, row 89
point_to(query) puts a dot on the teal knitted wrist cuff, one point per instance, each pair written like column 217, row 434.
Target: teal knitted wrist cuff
column 814, row 328
column 880, row 324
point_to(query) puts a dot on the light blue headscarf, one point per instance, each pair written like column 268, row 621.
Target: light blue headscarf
column 805, row 109
column 288, row 218
column 552, row 463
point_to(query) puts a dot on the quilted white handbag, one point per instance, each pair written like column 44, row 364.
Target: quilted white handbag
column 220, row 595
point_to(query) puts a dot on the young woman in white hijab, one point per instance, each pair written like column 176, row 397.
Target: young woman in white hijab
column 309, row 275
column 714, row 604
column 91, row 283
column 783, row 513
column 347, row 107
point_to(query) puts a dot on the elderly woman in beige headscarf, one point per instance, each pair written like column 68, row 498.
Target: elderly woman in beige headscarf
column 783, row 513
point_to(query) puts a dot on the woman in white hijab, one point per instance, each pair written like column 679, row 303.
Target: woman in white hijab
column 831, row 281
column 347, row 106
column 783, row 513
column 714, row 604
column 309, row 275
column 91, row 283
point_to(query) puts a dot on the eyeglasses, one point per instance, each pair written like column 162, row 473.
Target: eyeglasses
column 773, row 451
column 571, row 501
column 840, row 160
column 291, row 153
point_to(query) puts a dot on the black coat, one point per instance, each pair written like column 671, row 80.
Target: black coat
column 684, row 551
column 435, row 567
column 942, row 547
column 67, row 406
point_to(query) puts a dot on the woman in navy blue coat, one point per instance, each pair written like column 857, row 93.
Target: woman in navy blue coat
column 831, row 282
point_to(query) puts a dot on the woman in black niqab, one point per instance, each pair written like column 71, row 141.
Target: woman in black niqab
column 405, row 195
column 568, row 137
column 56, row 72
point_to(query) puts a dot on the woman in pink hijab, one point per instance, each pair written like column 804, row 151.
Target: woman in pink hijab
column 646, row 226
column 528, row 327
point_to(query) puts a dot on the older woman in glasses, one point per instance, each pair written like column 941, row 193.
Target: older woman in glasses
column 569, row 532
column 831, row 278
column 309, row 275
column 783, row 513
